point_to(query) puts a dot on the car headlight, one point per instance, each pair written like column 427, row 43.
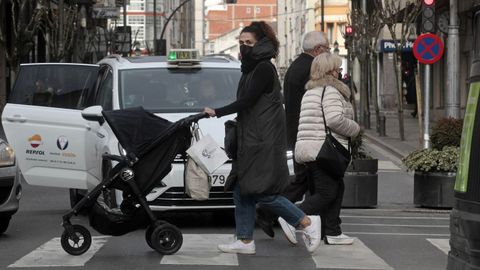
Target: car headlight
column 7, row 156
column 122, row 151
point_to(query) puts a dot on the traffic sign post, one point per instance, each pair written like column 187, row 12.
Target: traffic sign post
column 428, row 49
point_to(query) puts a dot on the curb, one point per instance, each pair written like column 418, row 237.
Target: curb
column 397, row 153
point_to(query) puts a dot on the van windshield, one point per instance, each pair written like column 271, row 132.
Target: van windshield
column 177, row 90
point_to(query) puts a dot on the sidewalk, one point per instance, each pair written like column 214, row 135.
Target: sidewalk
column 391, row 142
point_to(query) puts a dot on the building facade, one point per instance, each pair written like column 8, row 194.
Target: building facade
column 179, row 32
column 224, row 18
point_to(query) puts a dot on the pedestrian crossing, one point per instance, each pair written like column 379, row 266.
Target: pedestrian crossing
column 200, row 250
column 356, row 256
column 51, row 254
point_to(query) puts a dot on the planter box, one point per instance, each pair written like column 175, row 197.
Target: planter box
column 361, row 184
column 434, row 190
column 363, row 166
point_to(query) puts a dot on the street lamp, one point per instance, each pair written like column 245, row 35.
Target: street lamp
column 335, row 48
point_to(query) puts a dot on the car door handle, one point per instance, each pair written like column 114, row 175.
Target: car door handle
column 16, row 118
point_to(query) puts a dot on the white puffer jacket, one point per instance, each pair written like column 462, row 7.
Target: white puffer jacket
column 338, row 114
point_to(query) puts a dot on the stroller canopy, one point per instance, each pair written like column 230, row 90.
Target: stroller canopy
column 152, row 139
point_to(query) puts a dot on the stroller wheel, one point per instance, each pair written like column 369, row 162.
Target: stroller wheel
column 149, row 231
column 166, row 239
column 76, row 246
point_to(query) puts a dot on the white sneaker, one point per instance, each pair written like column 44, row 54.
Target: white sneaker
column 238, row 247
column 312, row 233
column 288, row 230
column 341, row 239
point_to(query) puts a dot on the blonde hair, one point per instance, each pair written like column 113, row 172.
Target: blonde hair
column 323, row 64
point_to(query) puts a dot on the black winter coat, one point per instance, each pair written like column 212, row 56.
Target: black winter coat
column 296, row 77
column 261, row 164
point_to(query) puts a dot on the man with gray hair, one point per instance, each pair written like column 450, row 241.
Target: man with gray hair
column 298, row 74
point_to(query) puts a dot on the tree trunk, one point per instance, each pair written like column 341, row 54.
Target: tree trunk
column 398, row 72
column 373, row 77
column 365, row 94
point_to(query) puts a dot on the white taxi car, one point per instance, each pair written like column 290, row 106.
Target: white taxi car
column 56, row 146
column 10, row 188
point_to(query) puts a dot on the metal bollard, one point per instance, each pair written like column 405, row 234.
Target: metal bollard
column 381, row 129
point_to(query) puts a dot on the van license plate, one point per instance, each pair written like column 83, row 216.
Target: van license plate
column 218, row 179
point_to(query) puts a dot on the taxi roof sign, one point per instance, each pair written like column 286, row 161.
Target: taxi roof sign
column 183, row 55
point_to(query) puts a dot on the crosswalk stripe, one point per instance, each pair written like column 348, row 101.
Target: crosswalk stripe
column 356, row 256
column 51, row 254
column 201, row 249
column 442, row 244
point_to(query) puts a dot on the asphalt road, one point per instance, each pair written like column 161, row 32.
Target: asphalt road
column 395, row 235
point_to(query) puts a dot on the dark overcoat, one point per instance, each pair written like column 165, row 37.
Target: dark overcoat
column 261, row 164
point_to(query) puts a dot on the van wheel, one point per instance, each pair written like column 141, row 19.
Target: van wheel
column 75, row 196
column 4, row 224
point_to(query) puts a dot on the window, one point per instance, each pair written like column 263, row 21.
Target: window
column 135, row 19
column 105, row 92
column 61, row 86
column 258, row 10
column 330, row 32
column 249, row 10
column 136, row 6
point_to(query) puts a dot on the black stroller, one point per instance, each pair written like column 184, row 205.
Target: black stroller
column 151, row 144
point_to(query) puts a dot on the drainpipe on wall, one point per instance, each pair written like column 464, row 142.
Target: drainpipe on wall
column 452, row 95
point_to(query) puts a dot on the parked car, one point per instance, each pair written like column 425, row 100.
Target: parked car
column 57, row 147
column 10, row 188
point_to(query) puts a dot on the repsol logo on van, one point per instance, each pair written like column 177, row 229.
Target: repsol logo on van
column 35, row 152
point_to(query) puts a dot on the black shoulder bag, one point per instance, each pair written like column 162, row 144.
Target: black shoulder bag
column 333, row 157
column 231, row 139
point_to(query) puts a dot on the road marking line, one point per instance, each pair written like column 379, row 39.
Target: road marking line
column 397, row 225
column 201, row 249
column 400, row 234
column 356, row 256
column 442, row 244
column 51, row 254
column 384, row 217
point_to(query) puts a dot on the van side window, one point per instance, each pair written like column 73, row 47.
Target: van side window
column 48, row 85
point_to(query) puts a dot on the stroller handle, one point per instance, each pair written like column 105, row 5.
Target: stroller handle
column 195, row 118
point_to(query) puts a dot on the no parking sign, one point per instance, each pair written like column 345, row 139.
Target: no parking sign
column 428, row 48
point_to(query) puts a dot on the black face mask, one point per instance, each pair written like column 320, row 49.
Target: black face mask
column 245, row 51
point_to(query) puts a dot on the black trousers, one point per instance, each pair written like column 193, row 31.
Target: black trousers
column 325, row 199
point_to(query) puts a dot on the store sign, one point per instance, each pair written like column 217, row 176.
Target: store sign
column 388, row 45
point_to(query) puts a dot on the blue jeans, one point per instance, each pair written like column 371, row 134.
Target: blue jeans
column 245, row 211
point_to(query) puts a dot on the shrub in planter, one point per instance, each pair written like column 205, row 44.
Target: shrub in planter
column 361, row 179
column 434, row 177
column 435, row 168
column 446, row 132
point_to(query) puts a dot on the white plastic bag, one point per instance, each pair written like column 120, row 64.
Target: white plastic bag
column 197, row 182
column 207, row 154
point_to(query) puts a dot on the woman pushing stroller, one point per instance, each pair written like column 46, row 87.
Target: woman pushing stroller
column 259, row 170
